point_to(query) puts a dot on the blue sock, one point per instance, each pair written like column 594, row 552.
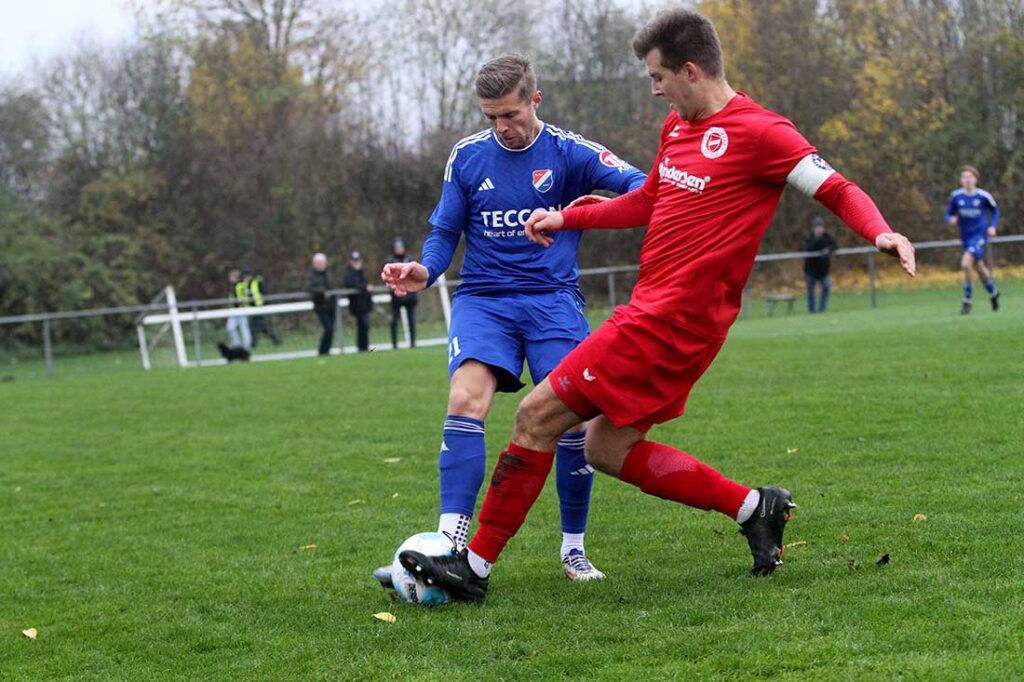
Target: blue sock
column 463, row 463
column 574, row 479
column 968, row 291
column 990, row 286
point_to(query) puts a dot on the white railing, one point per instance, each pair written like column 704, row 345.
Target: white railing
column 166, row 311
column 174, row 318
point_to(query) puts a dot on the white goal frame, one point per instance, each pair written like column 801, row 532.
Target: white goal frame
column 172, row 321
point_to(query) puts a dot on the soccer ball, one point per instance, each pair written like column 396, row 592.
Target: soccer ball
column 414, row 591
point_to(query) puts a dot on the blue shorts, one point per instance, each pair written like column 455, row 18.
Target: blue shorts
column 502, row 331
column 975, row 246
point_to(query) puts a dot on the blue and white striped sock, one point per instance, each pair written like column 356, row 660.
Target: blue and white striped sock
column 463, row 464
column 574, row 479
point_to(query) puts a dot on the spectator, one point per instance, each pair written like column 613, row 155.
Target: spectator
column 360, row 303
column 318, row 285
column 399, row 255
column 816, row 268
column 238, row 325
column 255, row 289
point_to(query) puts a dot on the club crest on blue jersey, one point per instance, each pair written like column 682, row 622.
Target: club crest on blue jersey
column 612, row 161
column 543, row 180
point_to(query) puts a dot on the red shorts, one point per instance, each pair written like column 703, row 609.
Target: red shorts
column 636, row 369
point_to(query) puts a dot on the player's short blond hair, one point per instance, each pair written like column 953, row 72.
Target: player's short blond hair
column 972, row 170
column 505, row 74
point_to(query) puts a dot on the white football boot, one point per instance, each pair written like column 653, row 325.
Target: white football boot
column 576, row 567
column 383, row 576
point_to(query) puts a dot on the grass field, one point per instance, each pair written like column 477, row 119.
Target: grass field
column 162, row 524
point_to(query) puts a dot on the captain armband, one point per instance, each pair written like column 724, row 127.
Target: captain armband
column 810, row 174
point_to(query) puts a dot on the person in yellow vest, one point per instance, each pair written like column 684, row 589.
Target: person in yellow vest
column 256, row 288
column 238, row 325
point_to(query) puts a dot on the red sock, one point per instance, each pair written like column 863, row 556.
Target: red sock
column 516, row 483
column 671, row 474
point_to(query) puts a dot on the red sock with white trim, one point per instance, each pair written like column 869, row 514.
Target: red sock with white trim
column 672, row 474
column 515, row 485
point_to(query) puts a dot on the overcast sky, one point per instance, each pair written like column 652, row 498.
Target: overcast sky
column 37, row 29
column 40, row 28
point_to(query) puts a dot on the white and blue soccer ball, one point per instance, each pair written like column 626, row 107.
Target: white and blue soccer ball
column 411, row 590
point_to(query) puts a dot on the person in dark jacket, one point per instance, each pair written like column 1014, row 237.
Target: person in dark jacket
column 816, row 268
column 360, row 304
column 399, row 255
column 318, row 285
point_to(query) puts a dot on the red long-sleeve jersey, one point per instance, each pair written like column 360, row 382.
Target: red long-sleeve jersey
column 708, row 200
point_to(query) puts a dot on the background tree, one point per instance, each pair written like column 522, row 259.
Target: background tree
column 254, row 132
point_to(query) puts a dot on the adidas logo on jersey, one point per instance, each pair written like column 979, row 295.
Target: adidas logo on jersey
column 485, row 185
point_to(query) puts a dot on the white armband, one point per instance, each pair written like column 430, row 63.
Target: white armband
column 810, row 174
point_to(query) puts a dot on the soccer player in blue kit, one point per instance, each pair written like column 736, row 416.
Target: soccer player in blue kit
column 517, row 300
column 976, row 213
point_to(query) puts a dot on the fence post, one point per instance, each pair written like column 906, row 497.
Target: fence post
column 143, row 345
column 47, row 348
column 339, row 325
column 446, row 302
column 403, row 313
column 179, row 341
column 196, row 341
column 990, row 257
column 872, row 275
column 611, row 291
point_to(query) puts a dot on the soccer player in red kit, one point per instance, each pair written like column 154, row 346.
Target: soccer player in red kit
column 722, row 165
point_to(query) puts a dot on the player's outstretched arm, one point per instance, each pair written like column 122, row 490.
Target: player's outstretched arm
column 405, row 278
column 895, row 244
column 853, row 206
column 587, row 200
column 542, row 225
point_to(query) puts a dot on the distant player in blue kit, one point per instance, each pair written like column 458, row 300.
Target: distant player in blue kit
column 977, row 214
column 517, row 300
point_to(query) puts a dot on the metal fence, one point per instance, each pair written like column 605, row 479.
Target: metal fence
column 183, row 333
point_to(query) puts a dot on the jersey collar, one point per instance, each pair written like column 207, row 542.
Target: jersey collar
column 543, row 127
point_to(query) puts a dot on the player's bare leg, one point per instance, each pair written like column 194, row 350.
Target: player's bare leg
column 463, row 455
column 672, row 474
column 985, row 275
column 654, row 468
column 517, row 481
column 967, row 265
column 463, row 452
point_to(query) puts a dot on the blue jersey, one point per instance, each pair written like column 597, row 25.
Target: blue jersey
column 489, row 191
column 975, row 212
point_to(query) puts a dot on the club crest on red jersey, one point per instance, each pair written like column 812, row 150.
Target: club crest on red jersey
column 715, row 142
column 543, row 180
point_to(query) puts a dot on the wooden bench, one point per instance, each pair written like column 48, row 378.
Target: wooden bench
column 775, row 299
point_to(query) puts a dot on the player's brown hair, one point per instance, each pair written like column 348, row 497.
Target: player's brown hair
column 972, row 170
column 681, row 36
column 501, row 76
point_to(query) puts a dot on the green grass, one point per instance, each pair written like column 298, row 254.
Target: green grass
column 152, row 522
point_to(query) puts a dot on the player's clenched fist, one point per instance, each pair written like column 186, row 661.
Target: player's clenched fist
column 542, row 224
column 405, row 278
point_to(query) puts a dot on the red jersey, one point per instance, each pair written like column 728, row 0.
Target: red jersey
column 711, row 194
